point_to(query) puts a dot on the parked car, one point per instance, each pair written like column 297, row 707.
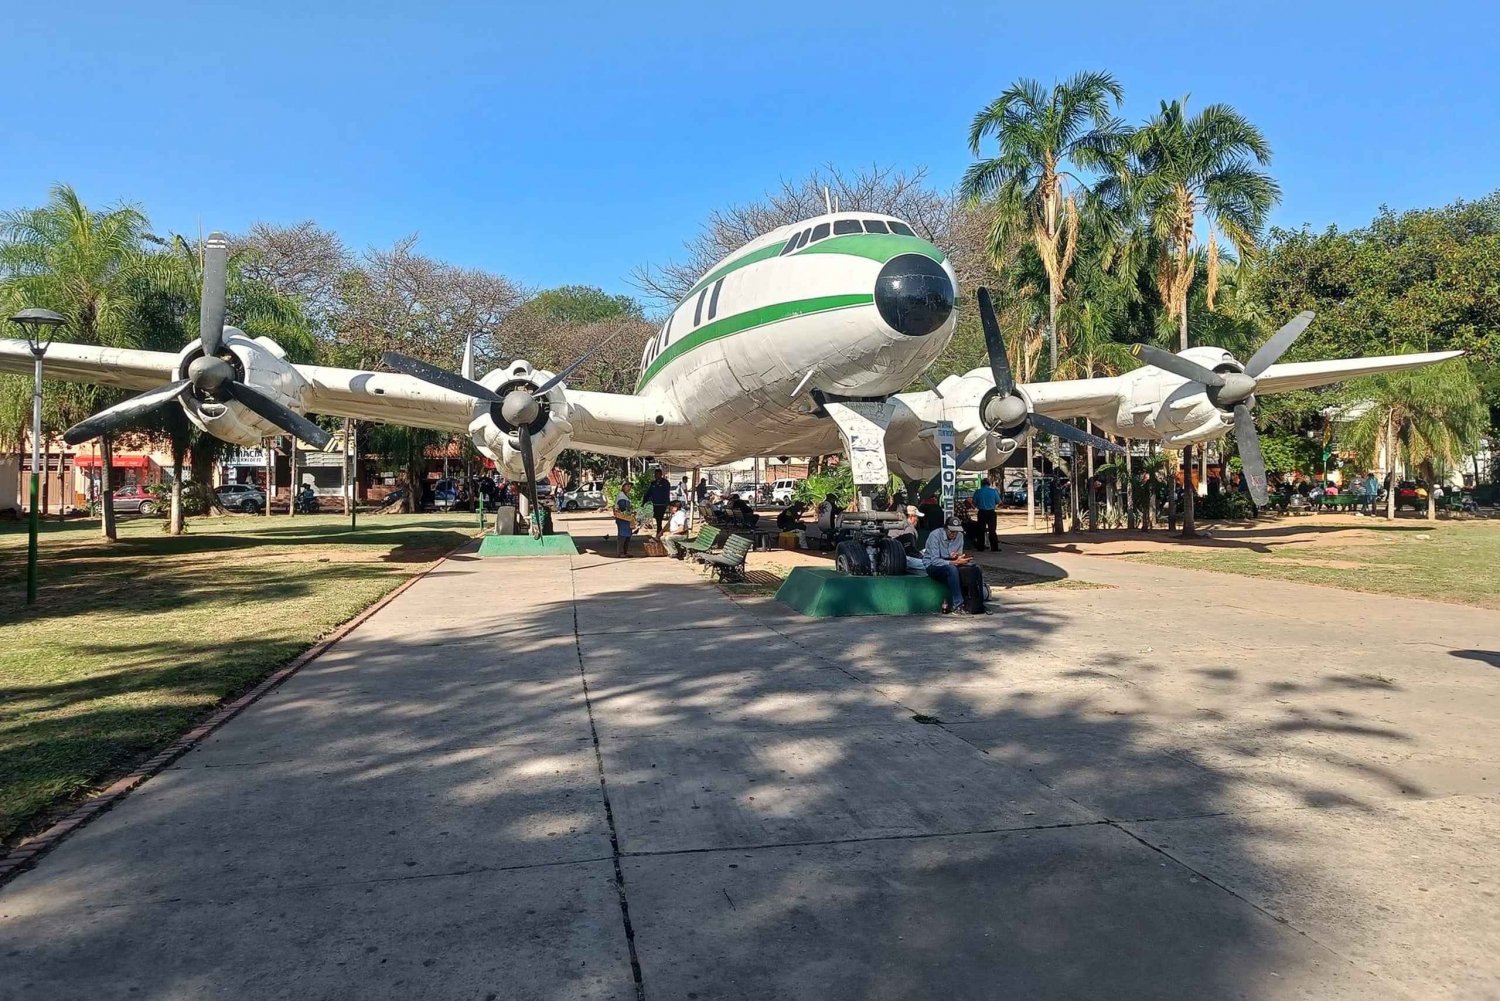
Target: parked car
column 1014, row 493
column 133, row 498
column 444, row 494
column 241, row 497
column 782, row 491
column 586, row 497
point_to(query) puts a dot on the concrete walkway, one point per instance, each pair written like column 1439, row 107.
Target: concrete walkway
column 592, row 778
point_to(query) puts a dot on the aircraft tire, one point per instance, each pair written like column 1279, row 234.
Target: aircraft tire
column 851, row 559
column 890, row 559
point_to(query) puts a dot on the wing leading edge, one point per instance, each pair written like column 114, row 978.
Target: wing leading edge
column 1288, row 376
column 121, row 367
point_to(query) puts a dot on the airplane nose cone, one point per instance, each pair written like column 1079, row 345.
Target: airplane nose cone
column 914, row 294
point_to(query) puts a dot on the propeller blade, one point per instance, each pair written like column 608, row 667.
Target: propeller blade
column 211, row 304
column 439, row 377
column 1051, row 425
column 1274, row 348
column 529, row 464
column 994, row 344
column 124, row 413
column 1251, row 459
column 1177, row 365
column 559, row 377
column 958, row 461
column 287, row 420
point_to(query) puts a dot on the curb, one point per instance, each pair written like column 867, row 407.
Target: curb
column 26, row 853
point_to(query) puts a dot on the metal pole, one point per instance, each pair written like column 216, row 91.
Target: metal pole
column 36, row 460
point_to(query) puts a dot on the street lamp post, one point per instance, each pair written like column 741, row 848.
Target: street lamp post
column 35, row 322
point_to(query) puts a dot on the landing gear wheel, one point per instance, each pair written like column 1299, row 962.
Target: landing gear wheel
column 890, row 559
column 852, row 559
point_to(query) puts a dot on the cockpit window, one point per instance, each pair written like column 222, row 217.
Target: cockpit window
column 791, row 245
column 802, row 238
column 901, row 228
column 845, row 226
column 876, row 226
column 819, row 232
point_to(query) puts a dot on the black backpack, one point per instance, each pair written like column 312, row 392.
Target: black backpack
column 971, row 582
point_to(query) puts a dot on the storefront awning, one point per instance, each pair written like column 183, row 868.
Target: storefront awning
column 118, row 462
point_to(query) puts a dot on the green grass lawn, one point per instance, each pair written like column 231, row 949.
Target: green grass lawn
column 1446, row 561
column 130, row 643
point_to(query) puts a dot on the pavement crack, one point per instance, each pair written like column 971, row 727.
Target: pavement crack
column 609, row 813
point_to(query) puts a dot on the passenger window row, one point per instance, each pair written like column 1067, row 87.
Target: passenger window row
column 843, row 227
column 659, row 343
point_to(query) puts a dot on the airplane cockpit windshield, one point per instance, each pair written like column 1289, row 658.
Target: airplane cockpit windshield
column 843, row 227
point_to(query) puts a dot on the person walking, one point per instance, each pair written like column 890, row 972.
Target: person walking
column 986, row 506
column 1371, row 491
column 624, row 514
column 659, row 495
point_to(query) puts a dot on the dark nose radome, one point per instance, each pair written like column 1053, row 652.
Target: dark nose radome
column 913, row 294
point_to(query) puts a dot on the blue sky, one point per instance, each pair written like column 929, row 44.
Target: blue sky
column 567, row 142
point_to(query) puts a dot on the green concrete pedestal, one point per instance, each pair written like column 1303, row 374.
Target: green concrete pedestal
column 525, row 545
column 824, row 593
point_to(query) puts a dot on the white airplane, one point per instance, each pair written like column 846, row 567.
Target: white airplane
column 800, row 342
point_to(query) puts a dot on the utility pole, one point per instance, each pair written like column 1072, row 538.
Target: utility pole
column 291, row 508
column 268, row 446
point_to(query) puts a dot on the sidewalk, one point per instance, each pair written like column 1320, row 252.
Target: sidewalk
column 592, row 778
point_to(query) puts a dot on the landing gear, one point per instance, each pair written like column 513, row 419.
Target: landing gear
column 851, row 558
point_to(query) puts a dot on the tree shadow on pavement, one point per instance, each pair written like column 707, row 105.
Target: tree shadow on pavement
column 846, row 808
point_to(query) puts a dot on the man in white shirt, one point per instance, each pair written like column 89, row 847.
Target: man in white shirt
column 945, row 554
column 677, row 531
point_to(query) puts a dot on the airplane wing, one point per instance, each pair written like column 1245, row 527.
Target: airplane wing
column 385, row 398
column 1307, row 374
column 122, row 367
column 1074, row 397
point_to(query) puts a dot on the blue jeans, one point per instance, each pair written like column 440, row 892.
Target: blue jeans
column 948, row 574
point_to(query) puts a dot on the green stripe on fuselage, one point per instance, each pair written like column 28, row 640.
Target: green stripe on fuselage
column 749, row 320
column 879, row 247
column 739, row 262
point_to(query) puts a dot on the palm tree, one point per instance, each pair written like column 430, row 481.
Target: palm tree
column 1043, row 137
column 1425, row 416
column 70, row 258
column 1182, row 169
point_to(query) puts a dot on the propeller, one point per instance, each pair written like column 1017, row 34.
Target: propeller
column 519, row 408
column 209, row 375
column 1006, row 410
column 1235, row 391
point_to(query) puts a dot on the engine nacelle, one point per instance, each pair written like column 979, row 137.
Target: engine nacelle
column 258, row 362
column 550, row 432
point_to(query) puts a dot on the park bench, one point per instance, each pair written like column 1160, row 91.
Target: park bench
column 708, row 536
column 729, row 562
column 1342, row 502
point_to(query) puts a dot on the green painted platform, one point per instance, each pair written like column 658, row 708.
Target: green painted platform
column 525, row 545
column 825, row 593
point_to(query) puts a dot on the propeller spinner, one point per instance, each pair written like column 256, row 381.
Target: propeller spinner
column 210, row 375
column 1235, row 392
column 1005, row 410
column 519, row 408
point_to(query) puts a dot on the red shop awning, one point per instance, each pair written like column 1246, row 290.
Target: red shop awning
column 118, row 462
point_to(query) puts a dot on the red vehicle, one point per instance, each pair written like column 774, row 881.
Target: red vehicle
column 134, row 498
